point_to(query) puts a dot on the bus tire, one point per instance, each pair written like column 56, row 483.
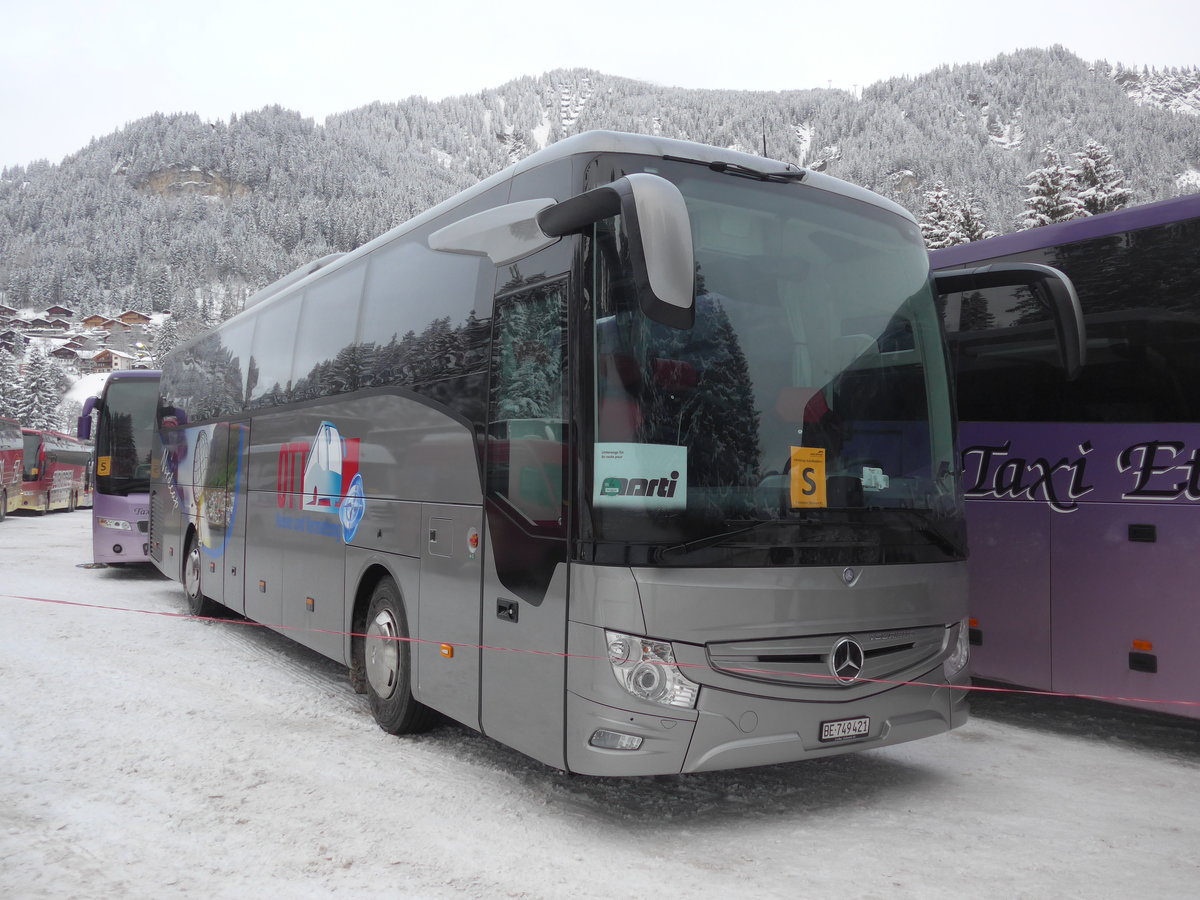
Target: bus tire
column 198, row 604
column 387, row 656
column 44, row 508
column 71, row 504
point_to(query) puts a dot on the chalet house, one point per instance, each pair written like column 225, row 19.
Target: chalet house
column 60, row 324
column 111, row 361
column 7, row 311
column 66, row 354
column 110, row 325
column 129, row 317
column 37, row 323
column 95, row 321
column 60, row 312
column 12, row 339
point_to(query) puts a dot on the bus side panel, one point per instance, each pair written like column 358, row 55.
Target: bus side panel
column 237, row 503
column 1009, row 588
column 448, row 655
column 1113, row 588
column 523, row 670
column 298, row 468
column 264, row 560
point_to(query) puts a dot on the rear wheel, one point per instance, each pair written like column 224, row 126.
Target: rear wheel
column 387, row 664
column 198, row 604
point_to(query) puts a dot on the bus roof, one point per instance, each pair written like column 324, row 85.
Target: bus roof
column 1146, row 215
column 589, row 142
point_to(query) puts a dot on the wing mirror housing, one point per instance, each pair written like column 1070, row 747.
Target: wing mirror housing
column 653, row 214
column 83, row 425
column 1052, row 287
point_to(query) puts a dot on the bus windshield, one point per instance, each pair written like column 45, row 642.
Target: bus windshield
column 33, row 442
column 124, row 432
column 805, row 418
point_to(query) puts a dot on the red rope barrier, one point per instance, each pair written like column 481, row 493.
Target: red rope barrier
column 774, row 674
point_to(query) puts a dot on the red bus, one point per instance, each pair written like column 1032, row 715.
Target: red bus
column 11, row 453
column 57, row 471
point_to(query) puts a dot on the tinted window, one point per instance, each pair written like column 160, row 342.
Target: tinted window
column 326, row 362
column 1140, row 294
column 528, row 446
column 231, row 366
column 270, row 375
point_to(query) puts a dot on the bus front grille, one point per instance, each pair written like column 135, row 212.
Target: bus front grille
column 804, row 661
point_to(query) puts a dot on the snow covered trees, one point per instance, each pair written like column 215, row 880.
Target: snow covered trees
column 10, row 388
column 1059, row 193
column 42, row 387
column 1050, row 193
column 948, row 219
column 1100, row 184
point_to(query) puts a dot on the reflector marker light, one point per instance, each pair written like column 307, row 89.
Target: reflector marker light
column 1144, row 646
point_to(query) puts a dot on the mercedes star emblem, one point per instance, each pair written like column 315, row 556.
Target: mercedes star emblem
column 846, row 660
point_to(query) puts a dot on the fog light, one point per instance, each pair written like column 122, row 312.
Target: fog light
column 614, row 740
column 117, row 548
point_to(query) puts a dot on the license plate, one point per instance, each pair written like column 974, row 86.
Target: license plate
column 845, row 729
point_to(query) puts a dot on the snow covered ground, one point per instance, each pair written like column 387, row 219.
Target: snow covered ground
column 149, row 755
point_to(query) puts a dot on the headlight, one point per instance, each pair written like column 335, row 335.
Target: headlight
column 957, row 661
column 647, row 669
column 114, row 523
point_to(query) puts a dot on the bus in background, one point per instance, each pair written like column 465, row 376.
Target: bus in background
column 12, row 450
column 637, row 457
column 124, row 440
column 56, row 471
column 1083, row 496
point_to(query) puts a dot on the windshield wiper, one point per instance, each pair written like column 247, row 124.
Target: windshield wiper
column 791, row 175
column 707, row 541
column 710, row 540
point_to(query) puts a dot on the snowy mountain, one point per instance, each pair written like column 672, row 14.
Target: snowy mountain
column 175, row 213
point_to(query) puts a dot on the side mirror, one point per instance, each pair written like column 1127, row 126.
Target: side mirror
column 655, row 218
column 1049, row 284
column 83, row 425
column 659, row 229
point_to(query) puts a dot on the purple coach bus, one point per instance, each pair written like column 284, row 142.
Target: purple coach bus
column 124, row 438
column 1083, row 494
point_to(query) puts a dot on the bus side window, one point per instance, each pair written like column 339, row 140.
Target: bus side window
column 526, row 420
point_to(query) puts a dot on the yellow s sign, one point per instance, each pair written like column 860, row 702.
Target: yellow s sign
column 808, row 477
column 103, row 465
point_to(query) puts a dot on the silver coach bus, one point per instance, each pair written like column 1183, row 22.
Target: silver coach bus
column 637, row 457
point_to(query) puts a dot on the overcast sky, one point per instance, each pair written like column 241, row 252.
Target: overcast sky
column 72, row 70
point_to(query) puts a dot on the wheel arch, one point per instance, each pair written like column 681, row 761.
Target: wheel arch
column 188, row 533
column 372, row 574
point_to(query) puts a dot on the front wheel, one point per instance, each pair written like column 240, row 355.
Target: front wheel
column 387, row 663
column 198, row 604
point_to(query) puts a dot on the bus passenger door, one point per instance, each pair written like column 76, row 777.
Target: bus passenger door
column 523, row 677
